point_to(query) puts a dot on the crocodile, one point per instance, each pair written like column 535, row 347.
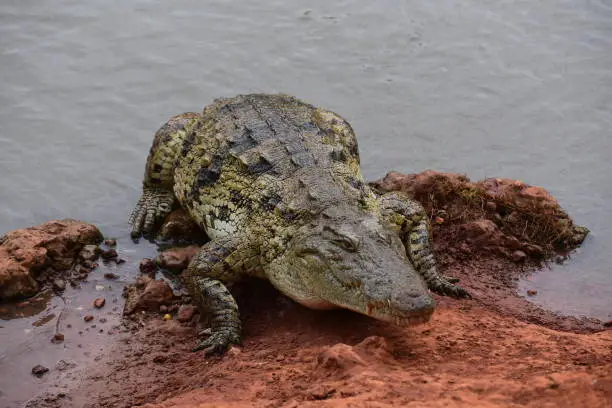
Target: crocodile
column 276, row 184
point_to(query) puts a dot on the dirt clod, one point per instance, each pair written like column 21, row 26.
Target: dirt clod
column 57, row 338
column 99, row 302
column 39, row 370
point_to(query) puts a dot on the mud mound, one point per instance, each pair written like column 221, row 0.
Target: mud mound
column 32, row 257
column 494, row 214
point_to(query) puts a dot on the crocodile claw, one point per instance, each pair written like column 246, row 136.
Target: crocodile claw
column 445, row 287
column 152, row 207
column 218, row 343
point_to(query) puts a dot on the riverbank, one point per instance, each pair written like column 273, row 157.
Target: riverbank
column 495, row 350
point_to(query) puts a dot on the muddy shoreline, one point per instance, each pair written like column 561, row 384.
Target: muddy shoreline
column 496, row 349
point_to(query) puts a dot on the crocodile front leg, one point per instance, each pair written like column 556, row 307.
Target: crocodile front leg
column 157, row 193
column 412, row 220
column 203, row 278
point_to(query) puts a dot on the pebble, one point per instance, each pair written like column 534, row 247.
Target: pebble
column 110, row 275
column 88, row 318
column 109, row 253
column 59, row 285
column 167, row 316
column 99, row 302
column 532, row 292
column 148, row 266
column 519, row 256
column 111, row 242
column 439, row 220
column 57, row 338
column 39, row 370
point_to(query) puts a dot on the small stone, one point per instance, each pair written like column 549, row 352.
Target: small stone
column 185, row 313
column 88, row 318
column 177, row 259
column 167, row 316
column 109, row 254
column 110, row 275
column 102, row 320
column 519, row 256
column 64, row 365
column 59, row 285
column 89, row 253
column 57, row 338
column 148, row 267
column 111, row 242
column 99, row 302
column 532, row 292
column 39, row 370
column 439, row 220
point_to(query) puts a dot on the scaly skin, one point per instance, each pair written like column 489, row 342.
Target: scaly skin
column 276, row 185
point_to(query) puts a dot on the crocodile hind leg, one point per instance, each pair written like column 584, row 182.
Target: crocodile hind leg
column 157, row 197
column 412, row 220
column 204, row 278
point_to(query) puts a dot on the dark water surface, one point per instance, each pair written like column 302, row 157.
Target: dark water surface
column 517, row 89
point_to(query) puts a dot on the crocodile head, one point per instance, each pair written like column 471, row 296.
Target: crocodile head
column 358, row 264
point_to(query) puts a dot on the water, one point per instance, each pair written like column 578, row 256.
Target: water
column 514, row 88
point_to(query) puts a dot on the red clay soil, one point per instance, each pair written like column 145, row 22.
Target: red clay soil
column 495, row 350
column 293, row 357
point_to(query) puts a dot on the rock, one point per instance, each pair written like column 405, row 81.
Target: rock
column 148, row 267
column 518, row 256
column 110, row 275
column 155, row 294
column 27, row 253
column 179, row 226
column 89, row 253
column 88, row 318
column 185, row 313
column 99, row 302
column 532, row 292
column 111, row 242
column 39, row 370
column 167, row 316
column 110, row 253
column 59, row 285
column 57, row 338
column 177, row 259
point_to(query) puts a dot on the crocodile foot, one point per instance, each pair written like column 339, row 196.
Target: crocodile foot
column 152, row 207
column 218, row 342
